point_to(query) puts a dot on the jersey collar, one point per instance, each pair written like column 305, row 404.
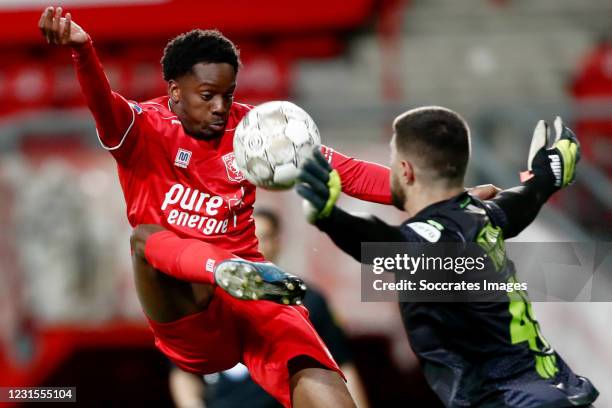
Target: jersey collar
column 460, row 201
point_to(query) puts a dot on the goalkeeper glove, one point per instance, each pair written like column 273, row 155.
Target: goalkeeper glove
column 554, row 166
column 320, row 187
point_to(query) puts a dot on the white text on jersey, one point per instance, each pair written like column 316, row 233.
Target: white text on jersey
column 189, row 199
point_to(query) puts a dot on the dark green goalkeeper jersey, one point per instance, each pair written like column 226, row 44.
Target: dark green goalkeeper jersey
column 475, row 354
column 485, row 354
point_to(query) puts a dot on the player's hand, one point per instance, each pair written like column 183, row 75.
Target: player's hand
column 61, row 30
column 484, row 191
column 320, row 187
column 556, row 165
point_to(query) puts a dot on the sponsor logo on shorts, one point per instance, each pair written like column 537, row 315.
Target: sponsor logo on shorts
column 182, row 158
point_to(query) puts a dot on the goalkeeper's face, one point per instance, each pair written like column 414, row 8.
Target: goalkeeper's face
column 398, row 195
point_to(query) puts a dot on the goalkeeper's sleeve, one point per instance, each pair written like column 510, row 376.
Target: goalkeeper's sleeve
column 349, row 231
column 520, row 205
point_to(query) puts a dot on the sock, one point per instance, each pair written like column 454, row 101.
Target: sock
column 189, row 260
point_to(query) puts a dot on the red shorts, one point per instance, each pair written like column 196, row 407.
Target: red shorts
column 261, row 334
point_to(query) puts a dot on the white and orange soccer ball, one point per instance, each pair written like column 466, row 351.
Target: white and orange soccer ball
column 272, row 141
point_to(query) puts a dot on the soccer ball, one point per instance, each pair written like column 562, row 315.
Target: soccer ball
column 272, row 141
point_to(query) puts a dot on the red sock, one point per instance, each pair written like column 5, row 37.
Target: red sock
column 189, row 260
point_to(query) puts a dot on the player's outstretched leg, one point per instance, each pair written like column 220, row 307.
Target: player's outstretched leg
column 163, row 297
column 259, row 281
column 194, row 261
column 174, row 276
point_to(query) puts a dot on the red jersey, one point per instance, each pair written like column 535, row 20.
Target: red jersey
column 191, row 187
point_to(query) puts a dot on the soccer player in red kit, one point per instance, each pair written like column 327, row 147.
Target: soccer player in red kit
column 192, row 210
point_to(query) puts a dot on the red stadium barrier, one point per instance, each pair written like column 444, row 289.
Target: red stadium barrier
column 272, row 35
column 53, row 346
column 133, row 22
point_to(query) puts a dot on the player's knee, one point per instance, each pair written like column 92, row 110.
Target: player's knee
column 136, row 242
column 139, row 237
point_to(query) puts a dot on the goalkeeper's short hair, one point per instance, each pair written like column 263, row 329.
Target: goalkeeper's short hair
column 438, row 137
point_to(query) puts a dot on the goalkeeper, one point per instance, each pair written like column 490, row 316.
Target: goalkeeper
column 484, row 354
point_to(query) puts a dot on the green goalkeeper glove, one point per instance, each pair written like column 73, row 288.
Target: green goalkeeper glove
column 555, row 166
column 320, row 187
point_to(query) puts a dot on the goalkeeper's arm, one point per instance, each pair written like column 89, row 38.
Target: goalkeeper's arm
column 520, row 205
column 320, row 189
column 349, row 231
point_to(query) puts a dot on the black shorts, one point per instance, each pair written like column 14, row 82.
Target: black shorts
column 577, row 392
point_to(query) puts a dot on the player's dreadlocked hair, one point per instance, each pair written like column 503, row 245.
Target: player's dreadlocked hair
column 193, row 47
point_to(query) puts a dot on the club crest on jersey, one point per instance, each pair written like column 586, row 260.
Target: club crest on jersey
column 182, row 158
column 233, row 173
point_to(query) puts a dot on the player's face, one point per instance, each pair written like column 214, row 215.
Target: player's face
column 269, row 243
column 203, row 99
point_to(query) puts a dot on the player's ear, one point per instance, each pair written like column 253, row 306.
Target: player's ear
column 407, row 172
column 174, row 91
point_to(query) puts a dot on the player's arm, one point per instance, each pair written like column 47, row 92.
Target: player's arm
column 320, row 189
column 549, row 170
column 371, row 181
column 114, row 116
column 360, row 179
column 348, row 231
